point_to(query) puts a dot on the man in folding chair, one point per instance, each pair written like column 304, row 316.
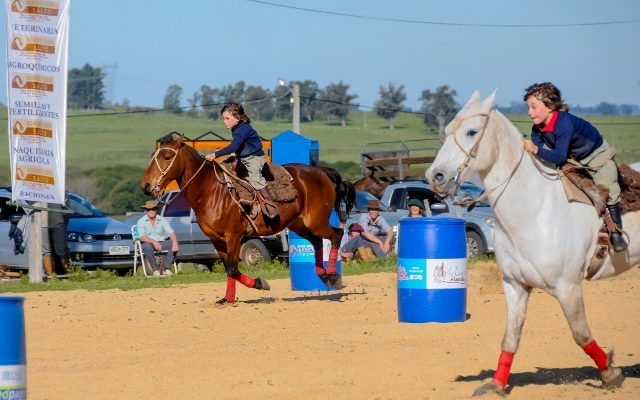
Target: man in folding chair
column 156, row 235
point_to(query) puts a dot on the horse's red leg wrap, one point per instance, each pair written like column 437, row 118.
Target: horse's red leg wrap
column 597, row 354
column 246, row 280
column 319, row 268
column 333, row 258
column 504, row 368
column 231, row 290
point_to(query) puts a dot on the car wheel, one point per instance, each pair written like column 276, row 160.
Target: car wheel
column 475, row 244
column 253, row 252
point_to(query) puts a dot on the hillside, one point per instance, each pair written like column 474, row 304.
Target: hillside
column 113, row 141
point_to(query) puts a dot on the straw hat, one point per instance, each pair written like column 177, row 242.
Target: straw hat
column 373, row 205
column 150, row 205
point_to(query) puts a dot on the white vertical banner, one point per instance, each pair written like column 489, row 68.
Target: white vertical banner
column 38, row 35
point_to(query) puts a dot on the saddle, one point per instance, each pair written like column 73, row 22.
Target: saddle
column 279, row 185
column 580, row 187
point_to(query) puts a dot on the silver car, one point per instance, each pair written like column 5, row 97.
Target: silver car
column 196, row 247
column 95, row 240
column 479, row 219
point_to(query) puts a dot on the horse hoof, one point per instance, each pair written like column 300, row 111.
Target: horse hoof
column 333, row 279
column 489, row 387
column 262, row 284
column 223, row 302
column 324, row 277
column 612, row 378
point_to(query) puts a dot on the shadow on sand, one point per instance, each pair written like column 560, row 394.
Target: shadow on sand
column 551, row 376
column 308, row 296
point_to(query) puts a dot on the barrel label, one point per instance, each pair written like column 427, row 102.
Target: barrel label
column 412, row 273
column 450, row 273
column 13, row 382
column 432, row 273
column 300, row 250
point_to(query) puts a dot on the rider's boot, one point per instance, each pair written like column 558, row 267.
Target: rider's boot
column 268, row 206
column 617, row 240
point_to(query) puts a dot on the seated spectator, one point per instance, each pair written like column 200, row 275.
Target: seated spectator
column 356, row 244
column 416, row 208
column 376, row 229
column 156, row 235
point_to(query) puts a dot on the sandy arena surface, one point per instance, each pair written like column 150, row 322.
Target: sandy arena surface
column 173, row 343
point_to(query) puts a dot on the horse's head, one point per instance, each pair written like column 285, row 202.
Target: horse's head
column 461, row 154
column 164, row 166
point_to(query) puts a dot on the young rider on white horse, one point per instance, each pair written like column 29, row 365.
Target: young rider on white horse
column 564, row 135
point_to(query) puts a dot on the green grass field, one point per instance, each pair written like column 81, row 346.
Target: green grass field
column 99, row 141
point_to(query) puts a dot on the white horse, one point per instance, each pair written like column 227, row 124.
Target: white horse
column 541, row 240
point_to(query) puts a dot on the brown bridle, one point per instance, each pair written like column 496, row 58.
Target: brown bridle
column 164, row 172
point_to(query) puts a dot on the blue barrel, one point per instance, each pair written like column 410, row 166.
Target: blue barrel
column 302, row 261
column 13, row 360
column 432, row 270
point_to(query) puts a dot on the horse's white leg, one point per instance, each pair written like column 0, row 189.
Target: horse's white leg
column 570, row 298
column 517, row 298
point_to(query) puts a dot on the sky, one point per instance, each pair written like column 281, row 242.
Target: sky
column 146, row 46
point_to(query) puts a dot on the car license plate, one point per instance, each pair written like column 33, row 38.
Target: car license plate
column 118, row 250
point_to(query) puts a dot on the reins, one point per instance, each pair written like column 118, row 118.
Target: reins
column 226, row 174
column 166, row 171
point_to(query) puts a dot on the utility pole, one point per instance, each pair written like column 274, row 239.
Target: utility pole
column 296, row 107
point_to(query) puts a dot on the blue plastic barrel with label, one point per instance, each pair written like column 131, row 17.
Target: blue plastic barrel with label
column 432, row 270
column 302, row 261
column 13, row 360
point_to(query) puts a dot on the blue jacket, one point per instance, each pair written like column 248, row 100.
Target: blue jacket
column 245, row 142
column 565, row 136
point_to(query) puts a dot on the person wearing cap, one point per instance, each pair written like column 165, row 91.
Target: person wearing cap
column 416, row 208
column 156, row 235
column 367, row 250
column 376, row 229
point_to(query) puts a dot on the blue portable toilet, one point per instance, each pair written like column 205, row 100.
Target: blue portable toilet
column 291, row 147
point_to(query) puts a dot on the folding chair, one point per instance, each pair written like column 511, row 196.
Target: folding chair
column 138, row 254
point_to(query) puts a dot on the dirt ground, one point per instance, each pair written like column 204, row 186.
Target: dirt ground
column 173, row 343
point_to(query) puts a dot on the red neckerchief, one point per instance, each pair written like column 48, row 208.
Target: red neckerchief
column 548, row 128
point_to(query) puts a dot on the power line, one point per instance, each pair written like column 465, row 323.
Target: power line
column 423, row 22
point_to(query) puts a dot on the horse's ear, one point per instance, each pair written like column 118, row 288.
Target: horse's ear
column 475, row 96
column 487, row 104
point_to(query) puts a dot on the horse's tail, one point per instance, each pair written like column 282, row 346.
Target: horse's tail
column 345, row 193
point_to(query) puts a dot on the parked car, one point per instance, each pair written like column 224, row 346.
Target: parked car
column 195, row 246
column 95, row 240
column 479, row 220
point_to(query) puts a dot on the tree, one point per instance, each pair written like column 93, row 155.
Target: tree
column 282, row 102
column 233, row 92
column 258, row 103
column 310, row 107
column 338, row 100
column 193, row 102
column 208, row 99
column 391, row 101
column 439, row 107
column 172, row 99
column 85, row 89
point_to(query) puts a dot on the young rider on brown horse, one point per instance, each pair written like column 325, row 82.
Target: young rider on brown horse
column 247, row 146
column 566, row 135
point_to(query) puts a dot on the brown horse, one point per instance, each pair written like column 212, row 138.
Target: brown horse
column 371, row 184
column 319, row 190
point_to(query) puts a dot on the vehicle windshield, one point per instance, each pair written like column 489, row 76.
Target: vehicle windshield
column 362, row 198
column 83, row 209
column 468, row 192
